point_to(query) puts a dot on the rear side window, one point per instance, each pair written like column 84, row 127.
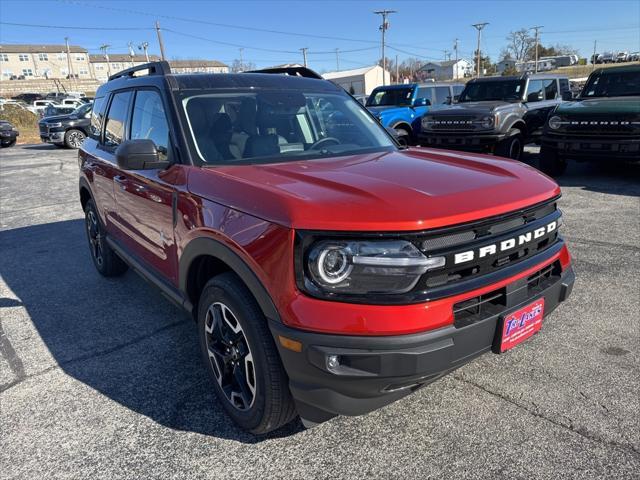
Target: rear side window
column 535, row 87
column 426, row 93
column 114, row 129
column 149, row 120
column 564, row 85
column 550, row 89
column 97, row 118
column 442, row 95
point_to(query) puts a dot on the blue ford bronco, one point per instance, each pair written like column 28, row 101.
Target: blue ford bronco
column 401, row 107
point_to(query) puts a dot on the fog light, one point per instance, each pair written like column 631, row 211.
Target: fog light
column 333, row 361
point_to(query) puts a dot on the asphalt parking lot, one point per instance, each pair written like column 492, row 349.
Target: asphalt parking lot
column 101, row 378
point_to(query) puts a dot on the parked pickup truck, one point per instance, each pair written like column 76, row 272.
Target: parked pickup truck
column 496, row 114
column 329, row 270
column 602, row 124
column 401, row 107
column 68, row 130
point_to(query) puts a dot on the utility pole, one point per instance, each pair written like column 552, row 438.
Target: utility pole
column 69, row 64
column 536, row 28
column 103, row 49
column 479, row 27
column 383, row 28
column 160, row 42
column 593, row 59
column 337, row 61
column 304, row 55
column 447, row 55
column 131, row 52
column 145, row 46
column 241, row 60
column 455, row 67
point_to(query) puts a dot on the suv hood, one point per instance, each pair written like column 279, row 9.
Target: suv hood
column 413, row 189
column 59, row 118
column 470, row 108
column 611, row 105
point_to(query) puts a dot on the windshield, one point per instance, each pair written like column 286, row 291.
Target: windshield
column 612, row 84
column 275, row 126
column 82, row 110
column 492, row 90
column 394, row 96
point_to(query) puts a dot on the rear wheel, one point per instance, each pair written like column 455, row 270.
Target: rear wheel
column 512, row 146
column 241, row 357
column 74, row 138
column 106, row 261
column 551, row 163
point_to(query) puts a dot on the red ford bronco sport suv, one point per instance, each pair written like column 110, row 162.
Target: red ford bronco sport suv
column 330, row 271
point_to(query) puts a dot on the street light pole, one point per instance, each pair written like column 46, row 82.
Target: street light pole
column 69, row 64
column 455, row 67
column 160, row 42
column 479, row 27
column 304, row 55
column 145, row 46
column 536, row 28
column 103, row 49
column 383, row 29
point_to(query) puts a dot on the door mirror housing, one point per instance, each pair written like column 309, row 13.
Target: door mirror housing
column 567, row 95
column 422, row 102
column 141, row 154
column 535, row 96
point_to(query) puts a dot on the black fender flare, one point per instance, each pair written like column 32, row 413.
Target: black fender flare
column 403, row 124
column 208, row 246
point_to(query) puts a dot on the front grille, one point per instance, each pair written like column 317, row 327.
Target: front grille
column 454, row 122
column 480, row 238
column 601, row 125
column 496, row 302
column 43, row 129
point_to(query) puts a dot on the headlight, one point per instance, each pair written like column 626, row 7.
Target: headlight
column 54, row 125
column 365, row 267
column 555, row 122
column 488, row 121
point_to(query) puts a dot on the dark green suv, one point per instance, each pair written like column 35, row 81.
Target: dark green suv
column 603, row 123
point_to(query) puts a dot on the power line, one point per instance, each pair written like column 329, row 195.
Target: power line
column 72, row 27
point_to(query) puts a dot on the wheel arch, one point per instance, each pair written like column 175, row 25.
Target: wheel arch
column 85, row 193
column 205, row 257
column 520, row 125
column 403, row 124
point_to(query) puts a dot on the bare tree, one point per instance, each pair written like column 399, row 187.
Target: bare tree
column 242, row 66
column 520, row 44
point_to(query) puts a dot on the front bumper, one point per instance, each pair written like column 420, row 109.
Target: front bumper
column 376, row 371
column 52, row 137
column 469, row 141
column 8, row 135
column 583, row 147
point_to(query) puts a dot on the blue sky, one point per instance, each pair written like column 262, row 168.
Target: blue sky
column 273, row 31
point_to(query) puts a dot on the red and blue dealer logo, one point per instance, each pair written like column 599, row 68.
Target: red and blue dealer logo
column 521, row 324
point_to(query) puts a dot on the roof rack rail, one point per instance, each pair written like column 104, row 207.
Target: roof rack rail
column 291, row 71
column 155, row 68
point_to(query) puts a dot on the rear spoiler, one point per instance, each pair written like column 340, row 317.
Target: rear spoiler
column 291, row 71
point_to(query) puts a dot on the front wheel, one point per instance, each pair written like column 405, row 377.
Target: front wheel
column 241, row 357
column 404, row 137
column 511, row 147
column 74, row 138
column 551, row 163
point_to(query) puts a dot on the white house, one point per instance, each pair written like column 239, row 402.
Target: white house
column 360, row 81
column 504, row 64
column 450, row 70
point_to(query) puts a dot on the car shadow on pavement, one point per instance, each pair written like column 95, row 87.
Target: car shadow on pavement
column 617, row 178
column 40, row 146
column 118, row 336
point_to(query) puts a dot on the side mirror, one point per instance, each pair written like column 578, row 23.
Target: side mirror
column 422, row 102
column 535, row 96
column 456, row 98
column 567, row 95
column 141, row 154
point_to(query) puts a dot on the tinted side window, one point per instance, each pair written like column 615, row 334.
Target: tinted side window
column 149, row 120
column 535, row 86
column 442, row 95
column 550, row 89
column 114, row 132
column 564, row 85
column 97, row 118
column 426, row 93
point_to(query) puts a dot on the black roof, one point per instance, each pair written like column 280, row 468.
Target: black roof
column 523, row 76
column 159, row 75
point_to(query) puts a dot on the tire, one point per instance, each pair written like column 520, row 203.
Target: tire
column 551, row 163
column 404, row 137
column 512, row 146
column 73, row 138
column 246, row 356
column 106, row 261
column 8, row 144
